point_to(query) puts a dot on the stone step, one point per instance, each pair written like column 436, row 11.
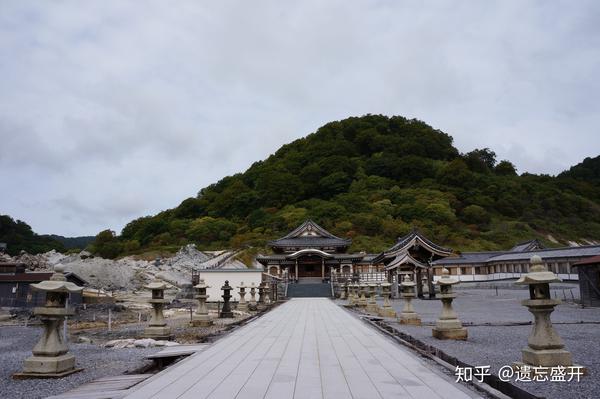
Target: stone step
column 318, row 290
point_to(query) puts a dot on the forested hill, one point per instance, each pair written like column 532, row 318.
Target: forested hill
column 372, row 179
column 18, row 236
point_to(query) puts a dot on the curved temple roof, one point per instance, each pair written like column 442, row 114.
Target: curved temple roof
column 310, row 235
column 402, row 259
column 414, row 238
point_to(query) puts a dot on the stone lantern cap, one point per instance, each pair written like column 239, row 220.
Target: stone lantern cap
column 201, row 284
column 385, row 284
column 156, row 285
column 538, row 274
column 57, row 283
column 446, row 279
column 407, row 282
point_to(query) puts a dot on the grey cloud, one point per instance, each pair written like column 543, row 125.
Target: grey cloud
column 110, row 110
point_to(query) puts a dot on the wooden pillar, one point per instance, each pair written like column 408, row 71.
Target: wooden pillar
column 296, row 270
column 323, row 269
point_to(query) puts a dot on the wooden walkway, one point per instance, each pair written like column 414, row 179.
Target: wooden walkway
column 306, row 348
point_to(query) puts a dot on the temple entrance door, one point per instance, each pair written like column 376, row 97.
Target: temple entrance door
column 311, row 267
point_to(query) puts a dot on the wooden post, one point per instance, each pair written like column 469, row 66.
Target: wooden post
column 109, row 320
column 323, row 269
column 296, row 271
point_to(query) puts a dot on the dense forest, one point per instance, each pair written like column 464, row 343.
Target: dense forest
column 18, row 236
column 372, row 179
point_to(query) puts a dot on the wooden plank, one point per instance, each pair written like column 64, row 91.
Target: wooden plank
column 104, row 388
column 180, row 350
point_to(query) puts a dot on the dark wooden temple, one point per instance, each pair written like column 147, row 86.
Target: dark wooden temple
column 413, row 253
column 310, row 251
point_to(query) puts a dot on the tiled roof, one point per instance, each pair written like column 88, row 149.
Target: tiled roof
column 468, row 257
column 594, row 260
column 310, row 235
column 509, row 256
column 568, row 252
column 409, row 240
column 530, row 245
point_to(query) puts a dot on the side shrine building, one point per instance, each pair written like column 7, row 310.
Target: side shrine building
column 311, row 252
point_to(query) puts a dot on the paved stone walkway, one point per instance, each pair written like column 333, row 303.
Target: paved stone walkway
column 306, row 348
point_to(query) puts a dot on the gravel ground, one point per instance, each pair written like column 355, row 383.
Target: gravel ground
column 16, row 343
column 498, row 345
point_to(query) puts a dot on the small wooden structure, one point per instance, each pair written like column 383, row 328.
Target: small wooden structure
column 15, row 283
column 589, row 281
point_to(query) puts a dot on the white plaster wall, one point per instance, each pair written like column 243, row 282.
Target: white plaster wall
column 216, row 279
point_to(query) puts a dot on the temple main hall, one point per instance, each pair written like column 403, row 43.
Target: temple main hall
column 311, row 252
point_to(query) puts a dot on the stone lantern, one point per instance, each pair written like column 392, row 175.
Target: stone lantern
column 448, row 326
column 226, row 312
column 362, row 301
column 201, row 317
column 267, row 290
column 242, row 305
column 351, row 294
column 408, row 314
column 50, row 355
column 545, row 347
column 372, row 303
column 344, row 290
column 157, row 327
column 261, row 296
column 355, row 294
column 252, row 304
column 386, row 310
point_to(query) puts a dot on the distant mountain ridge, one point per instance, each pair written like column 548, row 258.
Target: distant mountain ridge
column 73, row 242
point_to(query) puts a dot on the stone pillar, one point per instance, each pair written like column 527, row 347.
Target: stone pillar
column 201, row 317
column 242, row 305
column 157, row 327
column 408, row 314
column 252, row 304
column 51, row 357
column 362, row 301
column 545, row 347
column 386, row 310
column 448, row 326
column 226, row 312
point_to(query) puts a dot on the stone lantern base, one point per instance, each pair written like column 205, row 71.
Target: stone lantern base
column 372, row 307
column 201, row 321
column 449, row 329
column 48, row 367
column 387, row 311
column 547, row 357
column 411, row 319
column 158, row 333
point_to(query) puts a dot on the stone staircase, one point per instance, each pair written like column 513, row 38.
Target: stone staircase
column 308, row 290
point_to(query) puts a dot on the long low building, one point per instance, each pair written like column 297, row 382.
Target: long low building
column 499, row 265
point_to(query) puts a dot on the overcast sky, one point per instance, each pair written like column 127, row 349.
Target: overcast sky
column 112, row 110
